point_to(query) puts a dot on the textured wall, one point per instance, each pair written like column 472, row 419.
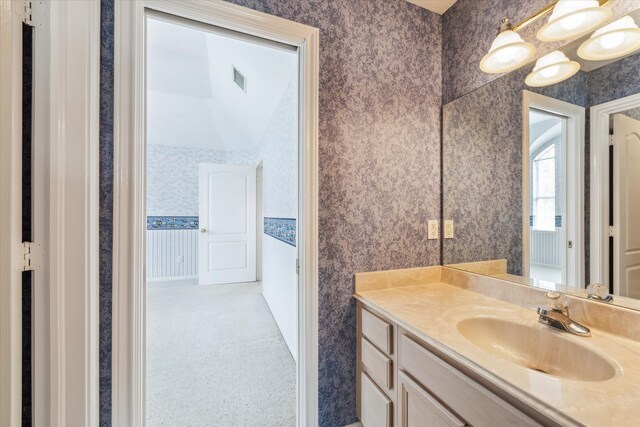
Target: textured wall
column 380, row 92
column 634, row 113
column 106, row 205
column 469, row 27
column 173, row 176
column 614, row 81
column 482, row 167
column 279, row 146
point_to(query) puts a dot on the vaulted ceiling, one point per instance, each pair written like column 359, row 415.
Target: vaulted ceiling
column 192, row 98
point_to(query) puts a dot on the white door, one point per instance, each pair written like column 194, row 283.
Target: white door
column 626, row 199
column 227, row 243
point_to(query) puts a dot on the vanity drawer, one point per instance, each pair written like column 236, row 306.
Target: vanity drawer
column 377, row 331
column 470, row 400
column 376, row 408
column 377, row 364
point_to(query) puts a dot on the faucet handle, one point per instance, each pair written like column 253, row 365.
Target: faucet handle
column 599, row 292
column 556, row 301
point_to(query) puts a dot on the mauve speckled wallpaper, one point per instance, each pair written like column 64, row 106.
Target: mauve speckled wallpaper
column 106, row 205
column 469, row 27
column 380, row 93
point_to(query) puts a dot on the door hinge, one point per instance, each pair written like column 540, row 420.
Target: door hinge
column 27, row 13
column 297, row 266
column 611, row 140
column 29, row 256
column 612, row 231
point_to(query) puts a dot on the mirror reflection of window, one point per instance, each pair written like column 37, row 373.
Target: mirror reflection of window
column 544, row 189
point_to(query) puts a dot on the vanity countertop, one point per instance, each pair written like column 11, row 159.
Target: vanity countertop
column 431, row 311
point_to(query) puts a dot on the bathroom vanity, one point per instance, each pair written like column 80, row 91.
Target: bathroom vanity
column 443, row 347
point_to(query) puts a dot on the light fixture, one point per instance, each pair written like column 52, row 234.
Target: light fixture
column 552, row 68
column 508, row 51
column 571, row 18
column 617, row 39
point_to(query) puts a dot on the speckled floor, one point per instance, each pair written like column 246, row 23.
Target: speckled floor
column 215, row 357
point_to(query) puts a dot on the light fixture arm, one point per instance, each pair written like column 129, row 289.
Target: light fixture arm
column 539, row 14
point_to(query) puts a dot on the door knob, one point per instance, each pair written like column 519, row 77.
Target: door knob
column 203, row 230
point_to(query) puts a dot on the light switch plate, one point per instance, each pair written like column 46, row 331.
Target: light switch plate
column 433, row 230
column 448, row 229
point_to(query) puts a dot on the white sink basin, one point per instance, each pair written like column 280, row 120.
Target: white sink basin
column 537, row 348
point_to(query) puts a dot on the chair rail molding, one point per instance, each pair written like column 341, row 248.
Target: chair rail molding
column 128, row 392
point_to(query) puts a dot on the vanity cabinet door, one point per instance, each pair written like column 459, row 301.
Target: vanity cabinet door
column 376, row 408
column 419, row 409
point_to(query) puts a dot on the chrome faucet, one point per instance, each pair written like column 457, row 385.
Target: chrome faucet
column 557, row 316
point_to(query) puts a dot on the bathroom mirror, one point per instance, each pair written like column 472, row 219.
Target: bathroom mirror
column 532, row 185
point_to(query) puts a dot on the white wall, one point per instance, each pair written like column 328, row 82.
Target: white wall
column 280, row 157
column 280, row 288
column 280, row 162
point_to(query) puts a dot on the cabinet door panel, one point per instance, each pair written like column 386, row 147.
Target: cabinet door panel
column 375, row 408
column 419, row 409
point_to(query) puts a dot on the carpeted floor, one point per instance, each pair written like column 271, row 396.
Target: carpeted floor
column 215, row 357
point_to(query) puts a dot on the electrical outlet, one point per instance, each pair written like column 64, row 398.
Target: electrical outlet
column 433, row 230
column 448, row 229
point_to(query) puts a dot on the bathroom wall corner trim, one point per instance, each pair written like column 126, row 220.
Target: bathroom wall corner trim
column 600, row 185
column 128, row 357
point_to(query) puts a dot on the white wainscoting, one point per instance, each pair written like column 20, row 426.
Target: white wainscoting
column 172, row 254
column 545, row 248
column 280, row 288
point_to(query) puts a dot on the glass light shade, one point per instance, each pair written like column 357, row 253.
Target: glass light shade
column 508, row 52
column 617, row 39
column 550, row 69
column 571, row 18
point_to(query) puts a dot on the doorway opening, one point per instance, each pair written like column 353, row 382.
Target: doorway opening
column 547, row 179
column 222, row 132
column 553, row 190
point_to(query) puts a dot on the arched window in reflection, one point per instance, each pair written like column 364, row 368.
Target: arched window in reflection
column 544, row 189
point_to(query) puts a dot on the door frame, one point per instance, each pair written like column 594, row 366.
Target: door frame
column 574, row 156
column 65, row 185
column 600, row 186
column 10, row 212
column 128, row 382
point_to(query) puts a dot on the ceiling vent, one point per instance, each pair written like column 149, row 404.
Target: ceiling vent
column 240, row 79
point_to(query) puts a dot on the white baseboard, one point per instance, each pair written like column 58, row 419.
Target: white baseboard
column 356, row 424
column 170, row 279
